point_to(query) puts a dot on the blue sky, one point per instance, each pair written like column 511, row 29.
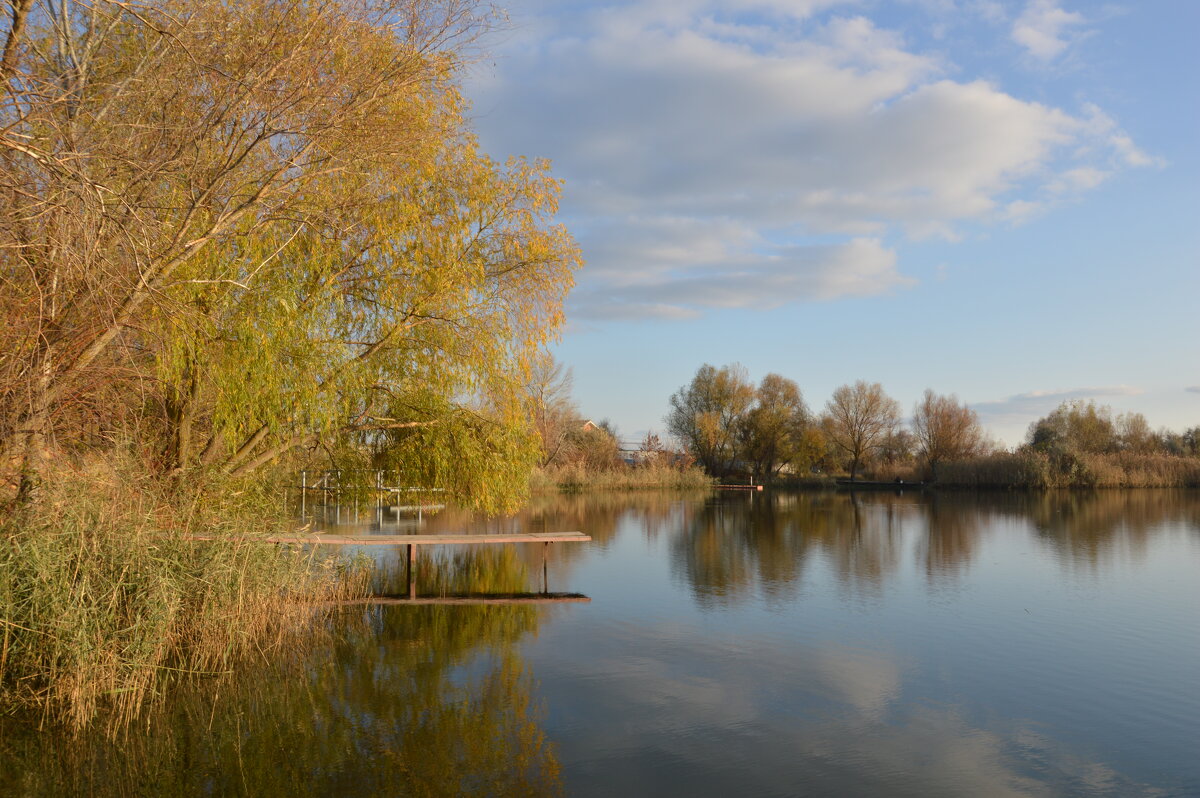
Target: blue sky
column 992, row 199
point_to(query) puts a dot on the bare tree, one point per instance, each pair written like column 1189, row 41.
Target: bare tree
column 946, row 430
column 554, row 414
column 1134, row 434
column 858, row 419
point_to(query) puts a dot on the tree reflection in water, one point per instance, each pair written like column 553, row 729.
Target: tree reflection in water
column 735, row 547
column 433, row 700
column 423, row 700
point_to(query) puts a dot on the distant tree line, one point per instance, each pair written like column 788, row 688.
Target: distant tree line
column 1079, row 427
column 766, row 431
column 570, row 440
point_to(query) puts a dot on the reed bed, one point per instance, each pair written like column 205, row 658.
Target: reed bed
column 103, row 602
column 1029, row 469
column 890, row 472
column 574, row 478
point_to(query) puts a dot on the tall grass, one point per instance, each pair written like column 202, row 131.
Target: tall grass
column 103, row 601
column 890, row 472
column 1030, row 469
column 573, row 478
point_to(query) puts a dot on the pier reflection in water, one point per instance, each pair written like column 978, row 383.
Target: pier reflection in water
column 774, row 644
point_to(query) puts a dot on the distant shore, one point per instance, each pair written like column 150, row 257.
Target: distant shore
column 573, row 478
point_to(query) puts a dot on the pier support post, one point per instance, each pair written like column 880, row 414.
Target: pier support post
column 545, row 573
column 412, row 585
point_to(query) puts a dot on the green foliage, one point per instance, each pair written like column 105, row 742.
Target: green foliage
column 482, row 457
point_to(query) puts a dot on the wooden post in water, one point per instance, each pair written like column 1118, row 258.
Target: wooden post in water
column 412, row 585
column 545, row 578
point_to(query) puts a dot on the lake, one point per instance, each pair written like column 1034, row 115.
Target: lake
column 906, row 644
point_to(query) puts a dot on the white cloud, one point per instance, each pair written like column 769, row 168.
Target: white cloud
column 1041, row 402
column 990, row 10
column 841, row 720
column 1011, row 416
column 1044, row 29
column 712, row 160
column 744, row 279
column 1107, row 136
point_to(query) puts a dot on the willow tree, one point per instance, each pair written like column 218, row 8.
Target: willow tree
column 269, row 220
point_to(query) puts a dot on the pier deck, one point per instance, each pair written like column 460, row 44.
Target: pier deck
column 412, row 541
column 430, row 540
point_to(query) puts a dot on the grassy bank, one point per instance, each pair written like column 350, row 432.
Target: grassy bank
column 1030, row 469
column 102, row 603
column 573, row 478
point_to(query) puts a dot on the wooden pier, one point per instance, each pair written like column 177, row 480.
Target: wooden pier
column 412, row 541
column 485, row 601
column 318, row 539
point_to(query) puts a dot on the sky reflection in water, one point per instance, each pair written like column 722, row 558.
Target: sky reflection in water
column 880, row 644
column 776, row 644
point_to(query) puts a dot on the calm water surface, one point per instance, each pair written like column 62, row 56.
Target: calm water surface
column 777, row 644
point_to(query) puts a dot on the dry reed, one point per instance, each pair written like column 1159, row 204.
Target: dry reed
column 1030, row 469
column 103, row 602
column 573, row 478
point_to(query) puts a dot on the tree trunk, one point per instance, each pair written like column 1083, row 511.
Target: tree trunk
column 181, row 413
column 270, row 454
column 246, row 448
column 8, row 62
column 29, row 442
column 212, row 449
